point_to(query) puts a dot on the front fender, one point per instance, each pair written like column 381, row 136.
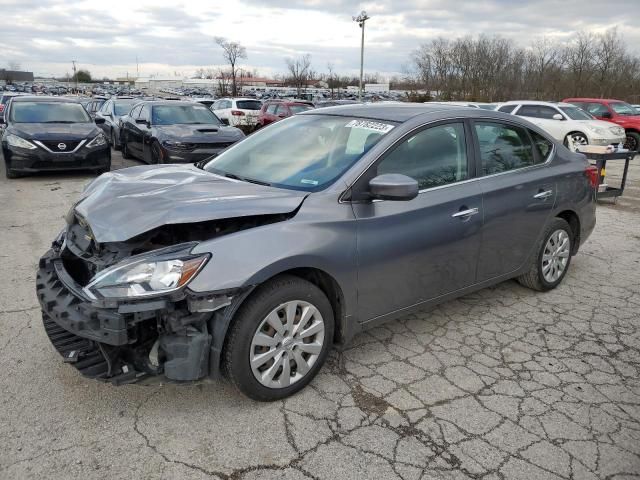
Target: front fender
column 320, row 236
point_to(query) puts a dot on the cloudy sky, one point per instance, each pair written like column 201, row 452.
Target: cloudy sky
column 176, row 36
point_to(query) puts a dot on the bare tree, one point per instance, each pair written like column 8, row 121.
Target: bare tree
column 299, row 71
column 232, row 52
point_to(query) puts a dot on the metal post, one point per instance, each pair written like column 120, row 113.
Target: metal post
column 361, row 19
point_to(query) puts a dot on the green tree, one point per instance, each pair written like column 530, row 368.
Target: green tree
column 82, row 76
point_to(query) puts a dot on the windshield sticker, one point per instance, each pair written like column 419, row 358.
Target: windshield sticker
column 309, row 182
column 369, row 125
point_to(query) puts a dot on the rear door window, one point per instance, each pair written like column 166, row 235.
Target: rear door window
column 249, row 104
column 271, row 109
column 503, row 147
column 507, row 108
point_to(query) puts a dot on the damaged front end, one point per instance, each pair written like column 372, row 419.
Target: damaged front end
column 122, row 311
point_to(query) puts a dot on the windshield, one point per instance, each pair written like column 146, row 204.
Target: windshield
column 575, row 113
column 249, row 104
column 43, row 112
column 622, row 108
column 299, row 108
column 123, row 108
column 305, row 152
column 182, row 114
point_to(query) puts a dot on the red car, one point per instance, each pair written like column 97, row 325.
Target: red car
column 615, row 111
column 274, row 111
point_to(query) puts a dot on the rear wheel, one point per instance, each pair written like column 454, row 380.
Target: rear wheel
column 632, row 141
column 550, row 265
column 279, row 339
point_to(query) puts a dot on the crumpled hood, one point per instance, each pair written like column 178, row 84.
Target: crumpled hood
column 124, row 203
column 199, row 133
column 55, row 131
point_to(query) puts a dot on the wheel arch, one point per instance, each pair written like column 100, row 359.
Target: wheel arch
column 572, row 218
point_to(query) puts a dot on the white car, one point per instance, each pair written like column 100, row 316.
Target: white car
column 482, row 105
column 237, row 111
column 567, row 122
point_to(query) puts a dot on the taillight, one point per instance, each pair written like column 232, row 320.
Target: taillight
column 237, row 113
column 1, row 107
column 591, row 172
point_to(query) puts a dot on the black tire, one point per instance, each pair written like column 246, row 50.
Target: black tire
column 10, row 174
column 125, row 149
column 114, row 143
column 235, row 357
column 156, row 153
column 534, row 278
column 632, row 142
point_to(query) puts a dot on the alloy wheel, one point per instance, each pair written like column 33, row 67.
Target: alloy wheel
column 579, row 139
column 286, row 344
column 556, row 255
column 631, row 143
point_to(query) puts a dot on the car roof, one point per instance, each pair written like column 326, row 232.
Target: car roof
column 594, row 100
column 169, row 102
column 538, row 102
column 44, row 98
column 392, row 112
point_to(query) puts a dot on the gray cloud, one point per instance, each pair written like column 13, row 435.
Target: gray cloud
column 44, row 35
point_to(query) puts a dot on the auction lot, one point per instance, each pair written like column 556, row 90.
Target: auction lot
column 502, row 384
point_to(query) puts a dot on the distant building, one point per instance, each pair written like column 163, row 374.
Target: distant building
column 11, row 76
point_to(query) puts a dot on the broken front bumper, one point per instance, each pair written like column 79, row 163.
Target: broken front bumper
column 125, row 342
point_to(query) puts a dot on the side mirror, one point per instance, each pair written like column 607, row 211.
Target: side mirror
column 557, row 116
column 606, row 115
column 141, row 121
column 98, row 120
column 225, row 121
column 393, row 186
column 282, row 115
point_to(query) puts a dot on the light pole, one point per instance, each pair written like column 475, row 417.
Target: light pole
column 363, row 17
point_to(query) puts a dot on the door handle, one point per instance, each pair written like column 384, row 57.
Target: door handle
column 543, row 195
column 465, row 213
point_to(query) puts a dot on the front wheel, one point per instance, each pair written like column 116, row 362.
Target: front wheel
column 126, row 154
column 632, row 141
column 279, row 339
column 156, row 153
column 550, row 264
column 578, row 139
column 114, row 142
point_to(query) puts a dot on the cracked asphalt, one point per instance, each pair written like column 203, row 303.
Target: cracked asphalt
column 502, row 384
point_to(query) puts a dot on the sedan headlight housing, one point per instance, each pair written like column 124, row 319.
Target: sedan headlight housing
column 154, row 273
column 98, row 141
column 16, row 141
column 617, row 131
column 597, row 130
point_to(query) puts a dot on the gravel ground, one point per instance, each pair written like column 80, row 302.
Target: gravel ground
column 502, row 384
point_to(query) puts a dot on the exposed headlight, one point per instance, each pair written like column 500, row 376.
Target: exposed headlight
column 597, row 130
column 154, row 273
column 16, row 141
column 178, row 145
column 98, row 141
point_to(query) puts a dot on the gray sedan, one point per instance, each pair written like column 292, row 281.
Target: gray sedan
column 255, row 263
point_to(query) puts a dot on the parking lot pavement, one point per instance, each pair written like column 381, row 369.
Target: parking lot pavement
column 502, row 384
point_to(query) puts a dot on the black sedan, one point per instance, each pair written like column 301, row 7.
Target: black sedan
column 112, row 111
column 174, row 132
column 52, row 133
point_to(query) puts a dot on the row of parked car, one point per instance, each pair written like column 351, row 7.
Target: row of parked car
column 577, row 121
column 157, row 130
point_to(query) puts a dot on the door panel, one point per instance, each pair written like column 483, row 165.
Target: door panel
column 410, row 252
column 413, row 251
column 518, row 195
